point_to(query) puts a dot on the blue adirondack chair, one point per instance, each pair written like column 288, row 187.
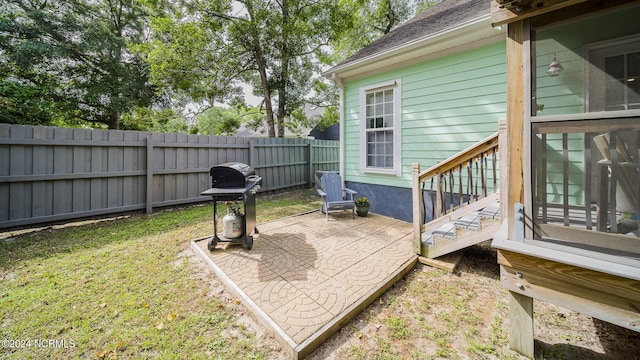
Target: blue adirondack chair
column 334, row 197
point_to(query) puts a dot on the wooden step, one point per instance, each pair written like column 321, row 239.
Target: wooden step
column 470, row 221
column 490, row 212
column 447, row 231
column 438, row 246
column 469, row 229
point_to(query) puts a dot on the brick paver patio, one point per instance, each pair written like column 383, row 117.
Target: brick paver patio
column 306, row 277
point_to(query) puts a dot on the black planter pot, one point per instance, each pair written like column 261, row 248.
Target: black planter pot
column 362, row 210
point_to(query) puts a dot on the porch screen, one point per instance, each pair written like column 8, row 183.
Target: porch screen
column 585, row 136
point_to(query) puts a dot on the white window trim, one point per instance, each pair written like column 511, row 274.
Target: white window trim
column 397, row 128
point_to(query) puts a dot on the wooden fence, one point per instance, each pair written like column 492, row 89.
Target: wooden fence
column 52, row 174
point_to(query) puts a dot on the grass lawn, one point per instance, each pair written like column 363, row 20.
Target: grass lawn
column 130, row 288
column 124, row 289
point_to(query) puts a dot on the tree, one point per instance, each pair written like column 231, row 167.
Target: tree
column 368, row 20
column 23, row 104
column 74, row 53
column 219, row 121
column 161, row 119
column 209, row 48
column 371, row 19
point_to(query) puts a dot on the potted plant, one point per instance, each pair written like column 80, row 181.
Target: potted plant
column 362, row 206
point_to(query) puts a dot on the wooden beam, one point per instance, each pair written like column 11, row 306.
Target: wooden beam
column 417, row 211
column 506, row 12
column 579, row 9
column 521, row 324
column 503, row 155
column 447, row 262
column 515, row 120
column 590, row 239
column 603, row 296
column 589, row 280
column 612, row 312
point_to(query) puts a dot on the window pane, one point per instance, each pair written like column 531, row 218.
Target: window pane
column 371, row 161
column 389, row 137
column 388, row 148
column 379, row 109
column 614, row 66
column 634, row 93
column 614, row 95
column 388, row 95
column 633, row 65
column 370, row 99
column 388, row 108
column 380, row 149
column 388, row 161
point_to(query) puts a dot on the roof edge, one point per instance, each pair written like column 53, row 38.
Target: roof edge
column 463, row 34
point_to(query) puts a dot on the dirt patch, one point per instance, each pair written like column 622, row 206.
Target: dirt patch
column 435, row 314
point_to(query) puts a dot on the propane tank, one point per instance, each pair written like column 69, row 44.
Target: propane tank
column 232, row 224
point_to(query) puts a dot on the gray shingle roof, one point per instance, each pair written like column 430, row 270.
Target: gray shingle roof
column 444, row 16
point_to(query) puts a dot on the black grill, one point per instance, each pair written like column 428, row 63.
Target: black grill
column 234, row 182
column 232, row 175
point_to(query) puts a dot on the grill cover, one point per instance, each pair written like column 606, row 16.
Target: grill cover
column 231, row 175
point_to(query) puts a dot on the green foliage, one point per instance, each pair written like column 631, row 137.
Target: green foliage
column 75, row 55
column 367, row 21
column 207, row 50
column 370, row 19
column 156, row 120
column 219, row 121
column 425, row 4
column 24, row 104
column 326, row 97
column 182, row 60
column 132, row 63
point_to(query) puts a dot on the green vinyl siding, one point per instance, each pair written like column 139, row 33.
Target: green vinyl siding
column 447, row 105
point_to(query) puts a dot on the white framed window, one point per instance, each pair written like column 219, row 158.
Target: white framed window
column 380, row 130
column 614, row 75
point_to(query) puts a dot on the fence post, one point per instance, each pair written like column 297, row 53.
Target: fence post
column 310, row 172
column 149, row 173
column 252, row 150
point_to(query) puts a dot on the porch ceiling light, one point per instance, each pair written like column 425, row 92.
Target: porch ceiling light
column 554, row 68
